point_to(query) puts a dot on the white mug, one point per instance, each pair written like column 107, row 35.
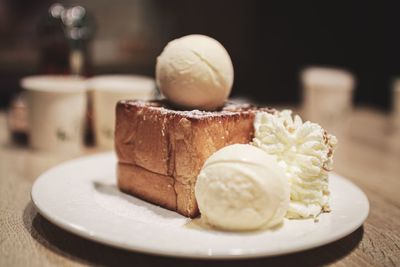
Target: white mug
column 106, row 91
column 56, row 112
column 327, row 96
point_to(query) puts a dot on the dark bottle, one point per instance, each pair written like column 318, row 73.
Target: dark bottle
column 53, row 46
column 64, row 39
column 78, row 29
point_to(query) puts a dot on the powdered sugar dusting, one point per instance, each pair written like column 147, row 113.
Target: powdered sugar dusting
column 196, row 114
column 229, row 109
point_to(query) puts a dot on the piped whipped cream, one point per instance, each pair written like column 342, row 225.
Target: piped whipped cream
column 305, row 152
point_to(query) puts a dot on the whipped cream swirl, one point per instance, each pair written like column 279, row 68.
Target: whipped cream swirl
column 305, row 152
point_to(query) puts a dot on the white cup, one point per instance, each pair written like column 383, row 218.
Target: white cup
column 327, row 96
column 106, row 91
column 56, row 112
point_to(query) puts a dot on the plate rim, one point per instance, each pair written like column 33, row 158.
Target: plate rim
column 84, row 233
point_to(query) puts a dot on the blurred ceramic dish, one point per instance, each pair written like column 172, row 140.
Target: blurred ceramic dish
column 81, row 196
column 327, row 94
column 105, row 92
column 56, row 107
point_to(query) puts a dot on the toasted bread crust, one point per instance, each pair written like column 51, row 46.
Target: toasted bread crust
column 152, row 187
column 174, row 144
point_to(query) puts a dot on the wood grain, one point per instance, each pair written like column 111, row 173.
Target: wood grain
column 368, row 154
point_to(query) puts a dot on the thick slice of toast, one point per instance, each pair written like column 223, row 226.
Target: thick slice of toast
column 153, row 187
column 161, row 150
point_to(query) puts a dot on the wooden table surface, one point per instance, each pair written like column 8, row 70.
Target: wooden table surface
column 367, row 155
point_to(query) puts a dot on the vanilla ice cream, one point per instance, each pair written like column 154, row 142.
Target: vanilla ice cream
column 305, row 152
column 240, row 187
column 195, row 72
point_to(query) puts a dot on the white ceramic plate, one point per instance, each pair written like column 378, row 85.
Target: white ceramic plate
column 81, row 196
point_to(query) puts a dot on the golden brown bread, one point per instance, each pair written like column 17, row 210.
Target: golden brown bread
column 136, row 181
column 159, row 148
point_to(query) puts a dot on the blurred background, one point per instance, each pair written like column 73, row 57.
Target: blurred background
column 269, row 41
column 271, row 45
